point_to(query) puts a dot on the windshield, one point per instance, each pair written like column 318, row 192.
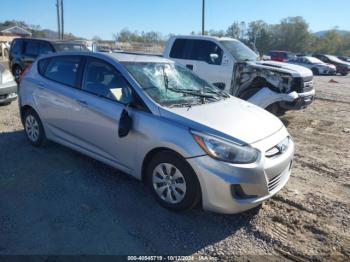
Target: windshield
column 314, row 60
column 240, row 51
column 172, row 85
column 63, row 47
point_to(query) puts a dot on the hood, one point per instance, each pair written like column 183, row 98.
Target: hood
column 294, row 70
column 232, row 119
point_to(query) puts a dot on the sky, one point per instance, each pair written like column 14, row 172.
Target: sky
column 89, row 18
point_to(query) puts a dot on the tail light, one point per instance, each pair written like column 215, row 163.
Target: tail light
column 25, row 71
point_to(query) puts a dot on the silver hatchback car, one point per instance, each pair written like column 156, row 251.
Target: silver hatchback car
column 187, row 140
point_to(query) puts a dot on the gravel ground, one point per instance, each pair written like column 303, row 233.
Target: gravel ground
column 56, row 201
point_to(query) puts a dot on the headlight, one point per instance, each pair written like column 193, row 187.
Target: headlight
column 224, row 150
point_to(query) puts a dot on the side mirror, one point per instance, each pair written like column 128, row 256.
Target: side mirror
column 125, row 124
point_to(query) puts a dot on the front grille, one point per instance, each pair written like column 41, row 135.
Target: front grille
column 301, row 85
column 274, row 182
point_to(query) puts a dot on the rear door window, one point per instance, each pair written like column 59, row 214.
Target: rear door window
column 63, row 69
column 32, row 48
column 45, row 48
column 206, row 51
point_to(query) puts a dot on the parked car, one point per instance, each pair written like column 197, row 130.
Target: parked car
column 4, row 49
column 316, row 65
column 8, row 87
column 233, row 67
column 24, row 51
column 344, row 58
column 281, row 56
column 157, row 121
column 343, row 68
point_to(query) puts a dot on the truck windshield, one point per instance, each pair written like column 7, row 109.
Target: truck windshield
column 240, row 51
column 172, row 85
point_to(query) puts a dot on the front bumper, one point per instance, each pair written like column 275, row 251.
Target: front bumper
column 259, row 181
column 8, row 92
column 300, row 101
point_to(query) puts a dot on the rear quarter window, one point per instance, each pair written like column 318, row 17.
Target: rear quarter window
column 42, row 65
column 62, row 69
column 17, row 47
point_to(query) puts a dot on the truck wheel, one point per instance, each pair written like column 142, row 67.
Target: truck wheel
column 315, row 71
column 344, row 74
column 172, row 181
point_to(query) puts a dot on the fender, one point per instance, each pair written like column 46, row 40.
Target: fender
column 266, row 97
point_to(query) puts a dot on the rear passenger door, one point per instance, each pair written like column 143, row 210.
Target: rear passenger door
column 56, row 94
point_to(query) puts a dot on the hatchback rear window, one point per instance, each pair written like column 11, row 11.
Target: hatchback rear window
column 63, row 69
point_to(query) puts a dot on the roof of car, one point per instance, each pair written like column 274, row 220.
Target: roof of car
column 120, row 57
column 77, row 41
column 141, row 58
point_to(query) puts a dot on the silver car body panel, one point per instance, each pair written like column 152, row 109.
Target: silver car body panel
column 92, row 129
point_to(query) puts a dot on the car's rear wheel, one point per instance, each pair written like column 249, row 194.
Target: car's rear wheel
column 172, row 181
column 33, row 128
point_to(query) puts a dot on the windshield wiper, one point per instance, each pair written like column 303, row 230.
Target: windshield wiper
column 190, row 92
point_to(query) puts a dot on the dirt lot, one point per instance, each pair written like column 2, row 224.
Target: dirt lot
column 56, row 201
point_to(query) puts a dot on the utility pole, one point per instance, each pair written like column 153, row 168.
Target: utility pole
column 62, row 20
column 203, row 18
column 58, row 19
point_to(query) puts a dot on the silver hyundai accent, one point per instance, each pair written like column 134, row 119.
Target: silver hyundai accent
column 190, row 142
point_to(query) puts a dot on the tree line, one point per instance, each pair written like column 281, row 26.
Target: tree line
column 291, row 34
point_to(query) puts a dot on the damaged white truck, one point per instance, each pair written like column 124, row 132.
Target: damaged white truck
column 234, row 67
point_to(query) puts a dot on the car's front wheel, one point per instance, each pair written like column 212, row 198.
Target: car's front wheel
column 172, row 181
column 33, row 128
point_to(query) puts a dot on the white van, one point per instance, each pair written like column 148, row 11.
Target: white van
column 234, row 67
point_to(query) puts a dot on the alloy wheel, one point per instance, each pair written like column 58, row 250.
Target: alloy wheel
column 32, row 128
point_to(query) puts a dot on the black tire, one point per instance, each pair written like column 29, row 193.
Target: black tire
column 344, row 74
column 17, row 72
column 36, row 140
column 315, row 71
column 192, row 195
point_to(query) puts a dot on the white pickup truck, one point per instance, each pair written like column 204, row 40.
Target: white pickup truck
column 234, row 67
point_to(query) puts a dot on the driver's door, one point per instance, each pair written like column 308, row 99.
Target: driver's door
column 104, row 94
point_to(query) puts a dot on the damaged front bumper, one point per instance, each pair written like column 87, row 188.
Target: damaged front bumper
column 8, row 92
column 290, row 101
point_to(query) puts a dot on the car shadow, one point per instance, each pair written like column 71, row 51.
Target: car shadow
column 56, row 201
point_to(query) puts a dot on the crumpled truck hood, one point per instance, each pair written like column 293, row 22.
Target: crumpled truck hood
column 294, row 70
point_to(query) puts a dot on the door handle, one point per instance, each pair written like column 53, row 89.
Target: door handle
column 189, row 67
